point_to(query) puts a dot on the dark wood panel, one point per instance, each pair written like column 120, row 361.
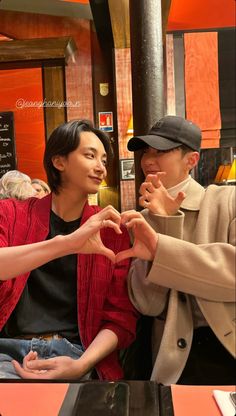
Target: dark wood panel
column 54, row 97
column 36, row 49
column 104, row 101
column 227, row 85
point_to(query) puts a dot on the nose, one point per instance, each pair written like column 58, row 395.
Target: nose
column 148, row 159
column 100, row 167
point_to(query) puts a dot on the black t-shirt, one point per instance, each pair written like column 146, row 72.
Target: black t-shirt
column 48, row 303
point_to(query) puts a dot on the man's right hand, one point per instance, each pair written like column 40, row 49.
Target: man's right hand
column 87, row 238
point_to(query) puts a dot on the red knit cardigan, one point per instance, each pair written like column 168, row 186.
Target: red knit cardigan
column 102, row 296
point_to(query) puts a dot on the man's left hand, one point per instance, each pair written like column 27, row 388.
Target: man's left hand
column 156, row 198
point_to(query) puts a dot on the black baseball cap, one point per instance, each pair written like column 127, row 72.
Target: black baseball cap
column 168, row 133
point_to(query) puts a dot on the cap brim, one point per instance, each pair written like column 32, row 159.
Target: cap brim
column 157, row 142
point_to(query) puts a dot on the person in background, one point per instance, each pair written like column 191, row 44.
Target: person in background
column 15, row 184
column 64, row 305
column 41, row 187
column 188, row 280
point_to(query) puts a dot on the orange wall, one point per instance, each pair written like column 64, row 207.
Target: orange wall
column 29, row 125
column 79, row 75
column 15, row 86
column 201, row 14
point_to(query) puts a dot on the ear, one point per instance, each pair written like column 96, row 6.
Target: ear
column 58, row 162
column 192, row 159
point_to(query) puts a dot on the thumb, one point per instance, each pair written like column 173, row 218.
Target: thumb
column 32, row 355
column 125, row 254
column 17, row 366
column 108, row 253
column 40, row 364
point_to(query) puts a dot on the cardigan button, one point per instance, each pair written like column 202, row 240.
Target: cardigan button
column 182, row 343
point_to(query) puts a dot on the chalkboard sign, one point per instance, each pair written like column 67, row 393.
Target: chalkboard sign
column 7, row 142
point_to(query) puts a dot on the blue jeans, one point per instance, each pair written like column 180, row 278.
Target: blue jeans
column 17, row 349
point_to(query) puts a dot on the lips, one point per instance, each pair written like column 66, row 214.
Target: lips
column 151, row 172
column 96, row 179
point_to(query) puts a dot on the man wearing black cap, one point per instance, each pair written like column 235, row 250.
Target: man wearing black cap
column 190, row 285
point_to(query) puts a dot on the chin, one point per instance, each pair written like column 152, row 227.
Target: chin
column 93, row 191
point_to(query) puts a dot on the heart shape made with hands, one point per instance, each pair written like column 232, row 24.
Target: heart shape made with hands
column 144, row 237
column 115, row 257
column 145, row 251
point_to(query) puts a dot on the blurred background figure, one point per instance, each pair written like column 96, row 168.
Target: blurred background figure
column 15, row 184
column 40, row 187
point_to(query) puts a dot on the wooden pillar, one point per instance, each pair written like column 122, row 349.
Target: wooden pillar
column 54, row 95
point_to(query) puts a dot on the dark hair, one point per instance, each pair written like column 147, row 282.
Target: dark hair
column 185, row 149
column 64, row 140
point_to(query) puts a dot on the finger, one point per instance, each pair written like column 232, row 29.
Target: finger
column 48, row 364
column 110, row 213
column 127, row 215
column 180, row 197
column 150, row 188
column 146, row 194
column 157, row 175
column 43, row 374
column 32, row 355
column 135, row 221
column 125, row 254
column 106, row 213
column 146, row 187
column 18, row 369
column 110, row 208
column 23, row 372
column 143, row 202
column 111, row 224
column 155, row 179
column 129, row 212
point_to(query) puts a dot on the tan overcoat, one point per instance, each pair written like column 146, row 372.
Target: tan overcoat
column 195, row 257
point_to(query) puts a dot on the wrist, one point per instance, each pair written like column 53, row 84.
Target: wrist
column 153, row 246
column 158, row 211
column 60, row 245
column 172, row 213
column 82, row 366
column 67, row 244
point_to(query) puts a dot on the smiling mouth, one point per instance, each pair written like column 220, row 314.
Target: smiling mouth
column 95, row 179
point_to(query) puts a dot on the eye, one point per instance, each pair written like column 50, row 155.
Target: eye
column 104, row 162
column 89, row 155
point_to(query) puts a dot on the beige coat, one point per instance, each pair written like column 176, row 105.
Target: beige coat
column 195, row 255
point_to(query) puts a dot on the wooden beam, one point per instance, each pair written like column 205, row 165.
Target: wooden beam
column 119, row 14
column 54, row 92
column 37, row 49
